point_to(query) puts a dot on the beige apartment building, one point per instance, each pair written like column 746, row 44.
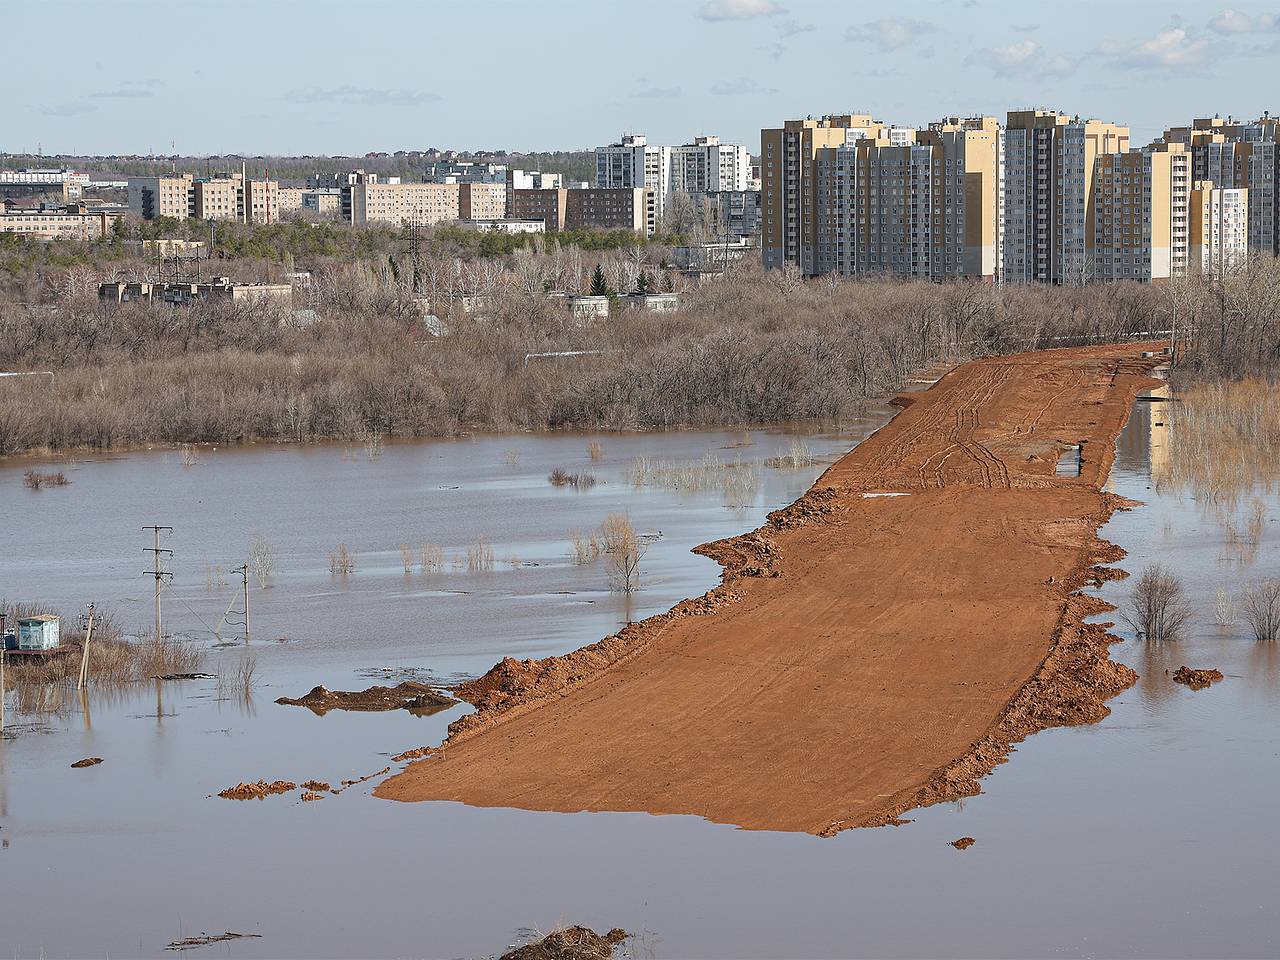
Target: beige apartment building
column 399, row 203
column 1139, row 216
column 289, row 198
column 233, row 197
column 482, row 201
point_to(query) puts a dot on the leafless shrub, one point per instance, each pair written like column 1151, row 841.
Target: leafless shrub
column 559, row 477
column 406, row 557
column 1225, row 611
column 585, row 547
column 372, row 442
column 35, row 480
column 480, row 557
column 188, row 455
column 430, row 558
column 739, row 484
column 623, row 551
column 261, row 560
column 797, row 456
column 240, row 681
column 595, row 450
column 511, row 457
column 1260, row 609
column 342, row 561
column 1157, row 608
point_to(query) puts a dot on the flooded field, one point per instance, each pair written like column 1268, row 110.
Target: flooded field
column 1106, row 840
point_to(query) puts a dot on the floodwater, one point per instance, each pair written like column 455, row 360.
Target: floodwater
column 1148, row 835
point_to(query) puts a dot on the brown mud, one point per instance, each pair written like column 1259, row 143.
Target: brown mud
column 964, row 843
column 1196, row 679
column 86, row 762
column 864, row 654
column 257, row 791
column 415, row 697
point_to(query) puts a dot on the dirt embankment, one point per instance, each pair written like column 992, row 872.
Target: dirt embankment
column 865, row 654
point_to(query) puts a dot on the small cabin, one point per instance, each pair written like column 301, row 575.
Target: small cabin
column 38, row 632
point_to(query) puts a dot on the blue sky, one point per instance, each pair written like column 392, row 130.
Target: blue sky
column 322, row 76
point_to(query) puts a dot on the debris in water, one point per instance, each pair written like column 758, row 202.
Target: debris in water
column 1196, row 679
column 207, row 938
column 256, row 791
column 308, row 795
column 964, row 843
column 187, row 676
column 408, row 695
column 87, row 762
column 571, row 943
column 352, row 783
column 414, row 754
column 317, row 786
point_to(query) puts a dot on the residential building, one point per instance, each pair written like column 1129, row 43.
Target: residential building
column 788, row 161
column 56, row 222
column 1138, row 216
column 548, row 205
column 504, row 225
column 58, row 184
column 1242, row 155
column 289, row 198
column 634, row 163
column 221, row 289
column 1048, row 193
column 624, row 208
column 482, row 200
column 231, row 197
column 464, row 171
column 1218, row 229
column 709, row 166
column 534, row 180
column 326, row 200
column 735, row 212
column 371, row 201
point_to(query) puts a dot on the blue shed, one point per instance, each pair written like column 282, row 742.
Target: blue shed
column 39, row 632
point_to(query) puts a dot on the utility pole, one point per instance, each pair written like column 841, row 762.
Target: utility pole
column 243, row 570
column 84, row 653
column 157, row 555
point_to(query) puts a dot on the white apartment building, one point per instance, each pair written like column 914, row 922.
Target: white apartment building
column 1219, row 229
column 633, row 162
column 709, row 166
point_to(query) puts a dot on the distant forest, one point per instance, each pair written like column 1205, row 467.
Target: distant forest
column 408, row 165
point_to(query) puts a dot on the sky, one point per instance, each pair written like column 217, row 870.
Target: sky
column 347, row 77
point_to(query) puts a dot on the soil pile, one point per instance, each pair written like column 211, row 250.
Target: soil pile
column 257, row 791
column 415, row 697
column 572, row 943
column 964, row 843
column 863, row 655
column 87, row 762
column 1196, row 679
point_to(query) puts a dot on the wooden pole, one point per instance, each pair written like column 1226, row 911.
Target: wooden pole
column 2, row 690
column 244, row 572
column 84, row 653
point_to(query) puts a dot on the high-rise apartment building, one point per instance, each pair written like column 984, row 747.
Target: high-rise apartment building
column 371, row 201
column 788, row 177
column 1138, row 219
column 1218, row 229
column 635, row 163
column 621, row 208
column 482, row 200
column 232, row 197
column 1240, row 155
column 709, row 166
column 1049, row 166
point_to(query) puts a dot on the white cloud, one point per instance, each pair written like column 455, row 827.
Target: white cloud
column 1169, row 49
column 1234, row 21
column 738, row 9
column 890, row 33
column 362, row 96
column 742, row 86
column 1026, row 58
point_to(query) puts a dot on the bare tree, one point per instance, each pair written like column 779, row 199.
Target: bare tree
column 623, row 551
column 262, row 559
column 1260, row 608
column 1157, row 609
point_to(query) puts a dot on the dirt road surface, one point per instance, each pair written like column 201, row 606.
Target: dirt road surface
column 865, row 654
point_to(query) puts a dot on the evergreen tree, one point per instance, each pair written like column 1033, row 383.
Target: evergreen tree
column 599, row 286
column 642, row 284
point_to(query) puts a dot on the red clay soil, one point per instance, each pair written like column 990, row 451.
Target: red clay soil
column 257, row 791
column 1195, row 679
column 864, row 655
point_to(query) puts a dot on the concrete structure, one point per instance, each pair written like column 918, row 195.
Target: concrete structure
column 232, row 197
column 1049, row 166
column 711, row 258
column 56, row 222
column 503, row 225
column 651, row 302
column 400, row 203
column 179, row 294
column 735, row 212
column 1218, row 229
column 586, row 309
column 534, row 180
column 290, row 198
column 623, row 208
column 482, row 200
column 40, row 632
column 59, row 183
column 464, row 171
column 549, row 206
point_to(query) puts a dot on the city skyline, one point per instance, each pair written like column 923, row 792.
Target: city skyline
column 391, row 78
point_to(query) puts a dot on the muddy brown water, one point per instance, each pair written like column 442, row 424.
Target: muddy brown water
column 1145, row 835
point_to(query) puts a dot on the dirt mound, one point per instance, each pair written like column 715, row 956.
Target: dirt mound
column 317, row 786
column 1196, row 679
column 308, row 796
column 409, row 695
column 964, row 843
column 572, row 943
column 861, row 656
column 87, row 762
column 257, row 791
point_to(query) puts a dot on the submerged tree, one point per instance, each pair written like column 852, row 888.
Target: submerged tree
column 1158, row 609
